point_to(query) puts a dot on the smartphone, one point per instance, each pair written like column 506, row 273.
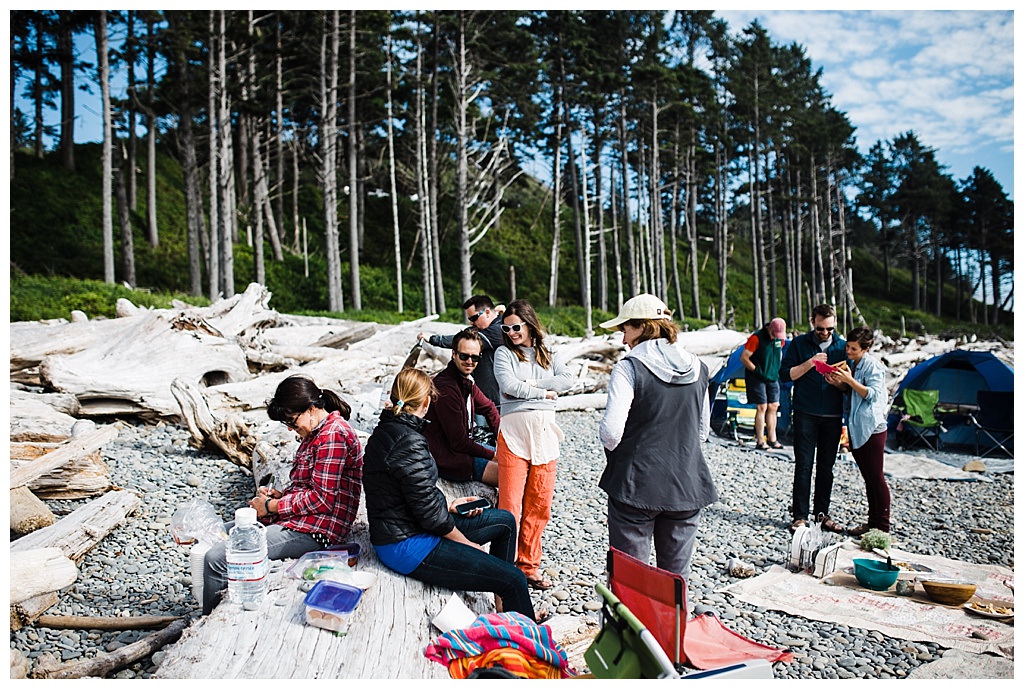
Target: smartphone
column 466, row 507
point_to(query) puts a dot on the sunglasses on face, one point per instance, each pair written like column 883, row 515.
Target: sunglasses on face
column 824, row 330
column 475, row 358
column 472, row 319
column 512, row 328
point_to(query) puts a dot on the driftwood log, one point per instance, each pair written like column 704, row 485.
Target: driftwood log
column 77, row 533
column 38, row 571
column 105, row 623
column 101, row 665
column 84, row 477
column 42, row 418
column 27, row 611
column 28, row 513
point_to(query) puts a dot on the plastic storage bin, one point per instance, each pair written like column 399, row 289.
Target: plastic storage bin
column 329, row 605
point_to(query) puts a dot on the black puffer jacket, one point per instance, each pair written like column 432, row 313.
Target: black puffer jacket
column 400, row 482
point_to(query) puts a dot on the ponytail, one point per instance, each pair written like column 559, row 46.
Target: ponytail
column 411, row 390
column 295, row 394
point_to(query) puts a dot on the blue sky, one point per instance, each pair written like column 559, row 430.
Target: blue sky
column 945, row 75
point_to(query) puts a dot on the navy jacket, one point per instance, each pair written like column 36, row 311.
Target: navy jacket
column 811, row 393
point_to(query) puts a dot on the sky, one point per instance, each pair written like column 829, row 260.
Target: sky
column 945, row 75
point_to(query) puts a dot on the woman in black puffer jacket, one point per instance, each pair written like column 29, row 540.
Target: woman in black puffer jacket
column 413, row 529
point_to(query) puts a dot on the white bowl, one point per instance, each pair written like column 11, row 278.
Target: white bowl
column 363, row 579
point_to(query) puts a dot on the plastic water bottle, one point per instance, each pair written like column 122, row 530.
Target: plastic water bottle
column 247, row 558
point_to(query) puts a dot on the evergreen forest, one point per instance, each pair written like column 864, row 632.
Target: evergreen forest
column 389, row 164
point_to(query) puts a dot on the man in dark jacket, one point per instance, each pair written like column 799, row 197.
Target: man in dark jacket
column 452, row 416
column 817, row 415
column 482, row 315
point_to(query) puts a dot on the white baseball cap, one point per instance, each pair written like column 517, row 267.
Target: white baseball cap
column 642, row 307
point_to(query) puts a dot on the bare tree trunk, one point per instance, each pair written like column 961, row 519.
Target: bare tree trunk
column 279, row 184
column 432, row 180
column 295, row 189
column 329, row 96
column 66, row 57
column 152, row 232
column 556, row 238
column 125, row 223
column 427, row 264
column 256, row 214
column 353, row 169
column 755, row 253
column 631, row 259
column 463, row 97
column 602, row 251
column 690, row 220
column 132, row 106
column 108, row 136
column 227, row 174
column 616, row 245
column 394, row 189
column 798, row 253
column 587, row 304
column 214, row 172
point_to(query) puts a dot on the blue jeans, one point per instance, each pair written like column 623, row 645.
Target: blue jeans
column 282, row 544
column 815, row 440
column 460, row 567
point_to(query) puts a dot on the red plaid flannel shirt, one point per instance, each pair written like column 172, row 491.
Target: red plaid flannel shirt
column 325, row 482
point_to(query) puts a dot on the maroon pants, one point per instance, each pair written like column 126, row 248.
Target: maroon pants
column 869, row 461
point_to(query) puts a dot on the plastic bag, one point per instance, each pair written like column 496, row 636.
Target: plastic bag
column 197, row 520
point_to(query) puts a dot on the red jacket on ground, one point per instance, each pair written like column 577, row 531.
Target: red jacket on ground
column 449, row 416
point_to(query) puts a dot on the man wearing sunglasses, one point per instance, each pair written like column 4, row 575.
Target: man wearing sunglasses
column 452, row 416
column 817, row 416
column 485, row 317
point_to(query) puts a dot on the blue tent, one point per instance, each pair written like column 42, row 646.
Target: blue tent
column 731, row 370
column 958, row 376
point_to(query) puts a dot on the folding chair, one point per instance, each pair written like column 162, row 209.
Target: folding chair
column 658, row 600
column 624, row 648
column 994, row 419
column 919, row 422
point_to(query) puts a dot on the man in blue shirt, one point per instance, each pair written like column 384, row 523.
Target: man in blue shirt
column 817, row 415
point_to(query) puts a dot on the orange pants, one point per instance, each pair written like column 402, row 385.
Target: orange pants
column 525, row 490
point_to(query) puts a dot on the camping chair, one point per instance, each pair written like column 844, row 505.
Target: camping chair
column 994, row 419
column 658, row 600
column 919, row 422
column 624, row 648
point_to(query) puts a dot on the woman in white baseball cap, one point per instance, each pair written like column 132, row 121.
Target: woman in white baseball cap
column 658, row 416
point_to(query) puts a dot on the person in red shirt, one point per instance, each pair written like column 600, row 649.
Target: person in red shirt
column 453, row 412
column 761, row 358
column 319, row 504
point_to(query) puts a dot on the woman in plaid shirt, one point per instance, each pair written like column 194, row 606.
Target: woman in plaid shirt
column 319, row 504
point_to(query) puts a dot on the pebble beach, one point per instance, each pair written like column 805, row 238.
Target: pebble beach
column 139, row 570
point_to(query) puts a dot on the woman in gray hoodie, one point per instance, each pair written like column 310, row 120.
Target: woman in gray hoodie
column 657, row 418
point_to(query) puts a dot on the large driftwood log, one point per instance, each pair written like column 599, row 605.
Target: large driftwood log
column 38, row 571
column 33, row 341
column 101, row 665
column 77, row 533
column 132, row 374
column 84, row 477
column 35, row 419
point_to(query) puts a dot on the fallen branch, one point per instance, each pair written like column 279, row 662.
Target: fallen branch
column 105, row 623
column 108, row 662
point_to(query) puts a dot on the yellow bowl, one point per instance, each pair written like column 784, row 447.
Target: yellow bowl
column 949, row 591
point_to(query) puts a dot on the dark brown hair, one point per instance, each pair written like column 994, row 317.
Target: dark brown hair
column 653, row 328
column 864, row 337
column 522, row 309
column 823, row 311
column 295, row 394
column 467, row 335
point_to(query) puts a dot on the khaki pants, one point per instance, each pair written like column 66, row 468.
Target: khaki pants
column 525, row 490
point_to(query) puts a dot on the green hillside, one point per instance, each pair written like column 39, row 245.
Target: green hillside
column 57, row 261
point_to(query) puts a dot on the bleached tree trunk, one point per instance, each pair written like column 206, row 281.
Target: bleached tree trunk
column 256, row 215
column 262, row 166
column 295, row 189
column 626, row 214
column 755, row 254
column 227, row 174
column 124, row 222
column 329, row 160
column 426, row 250
column 108, row 134
column 657, row 214
column 556, row 238
column 690, row 219
column 462, row 86
column 152, row 231
column 279, row 185
column 214, row 173
column 353, row 169
column 431, row 177
column 587, row 291
column 616, row 244
column 394, row 188
column 132, row 106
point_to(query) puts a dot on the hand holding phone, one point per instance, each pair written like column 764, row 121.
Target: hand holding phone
column 478, row 504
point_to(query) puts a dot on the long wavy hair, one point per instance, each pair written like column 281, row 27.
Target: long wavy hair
column 524, row 311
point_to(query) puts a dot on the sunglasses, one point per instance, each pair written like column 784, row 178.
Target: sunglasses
column 466, row 357
column 824, row 330
column 512, row 328
column 472, row 319
column 290, row 423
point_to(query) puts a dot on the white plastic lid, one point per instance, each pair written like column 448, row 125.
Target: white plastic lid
column 245, row 516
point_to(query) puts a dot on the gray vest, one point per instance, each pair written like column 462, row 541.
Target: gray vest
column 659, row 464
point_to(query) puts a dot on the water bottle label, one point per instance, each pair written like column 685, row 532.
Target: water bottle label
column 247, row 571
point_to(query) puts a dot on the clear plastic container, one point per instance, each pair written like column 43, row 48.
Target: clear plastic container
column 329, row 605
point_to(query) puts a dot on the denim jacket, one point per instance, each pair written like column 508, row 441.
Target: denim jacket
column 867, row 413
